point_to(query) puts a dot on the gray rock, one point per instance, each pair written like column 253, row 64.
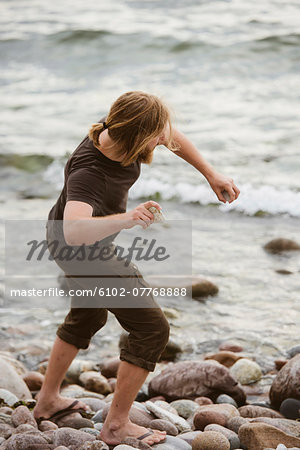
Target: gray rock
column 185, row 407
column 235, row 423
column 164, row 425
column 123, row 447
column 94, row 403
column 161, row 413
column 5, row 418
column 12, row 381
column 8, row 397
column 26, row 441
column 92, row 431
column 5, row 430
column 71, row 438
column 24, row 428
column 189, row 436
column 224, row 398
column 293, row 351
column 96, row 445
column 246, row 371
column 172, row 442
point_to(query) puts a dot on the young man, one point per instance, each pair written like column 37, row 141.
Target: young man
column 92, row 206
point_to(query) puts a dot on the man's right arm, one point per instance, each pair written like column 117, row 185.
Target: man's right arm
column 80, row 227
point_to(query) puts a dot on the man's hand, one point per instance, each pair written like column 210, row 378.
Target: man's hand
column 219, row 183
column 140, row 215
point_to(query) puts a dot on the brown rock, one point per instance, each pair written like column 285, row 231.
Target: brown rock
column 281, row 245
column 224, row 357
column 258, row 436
column 287, row 383
column 112, row 382
column 210, row 440
column 109, row 367
column 47, row 425
column 251, row 411
column 95, row 382
column 192, row 379
column 34, row 380
column 22, row 415
column 279, row 363
column 164, row 425
column 229, row 434
column 203, row 401
column 71, row 438
column 288, row 426
column 231, row 346
column 204, row 418
column 75, row 421
column 204, row 288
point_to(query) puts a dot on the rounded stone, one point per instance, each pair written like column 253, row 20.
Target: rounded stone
column 8, row 397
column 109, row 367
column 235, row 423
column 246, row 371
column 94, row 381
column 210, row 440
column 12, row 381
column 229, row 434
column 286, row 383
column 231, row 346
column 47, row 425
column 163, row 425
column 279, row 245
column 203, row 401
column 22, row 415
column 204, row 418
column 185, row 408
column 34, row 380
column 224, row 398
column 68, row 437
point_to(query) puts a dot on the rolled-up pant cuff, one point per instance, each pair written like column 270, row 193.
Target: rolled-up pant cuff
column 140, row 362
column 77, row 341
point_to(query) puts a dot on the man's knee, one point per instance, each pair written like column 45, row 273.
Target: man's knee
column 81, row 324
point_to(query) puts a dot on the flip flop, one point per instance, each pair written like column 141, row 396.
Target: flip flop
column 143, row 436
column 64, row 412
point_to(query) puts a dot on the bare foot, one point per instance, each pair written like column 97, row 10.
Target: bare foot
column 115, row 435
column 47, row 406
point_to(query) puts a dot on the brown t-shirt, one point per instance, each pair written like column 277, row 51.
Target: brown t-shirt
column 93, row 178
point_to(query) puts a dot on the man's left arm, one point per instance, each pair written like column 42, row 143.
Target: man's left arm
column 218, row 182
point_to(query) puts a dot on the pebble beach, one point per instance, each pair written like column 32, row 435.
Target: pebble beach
column 229, row 376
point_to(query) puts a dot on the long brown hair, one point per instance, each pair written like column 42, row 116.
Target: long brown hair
column 134, row 119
